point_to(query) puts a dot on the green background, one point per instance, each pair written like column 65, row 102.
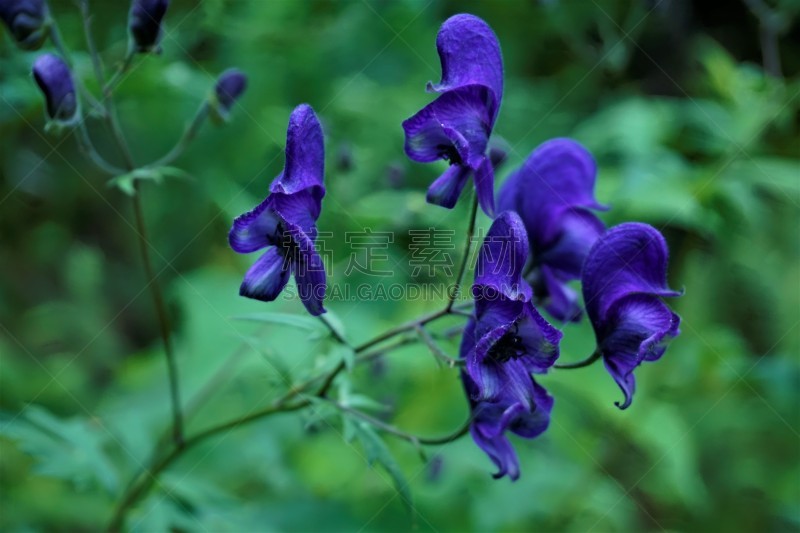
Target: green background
column 690, row 135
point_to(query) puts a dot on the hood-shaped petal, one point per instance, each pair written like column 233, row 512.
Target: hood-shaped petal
column 502, row 257
column 558, row 176
column 305, row 155
column 630, row 258
column 455, row 127
column 470, row 55
column 55, row 81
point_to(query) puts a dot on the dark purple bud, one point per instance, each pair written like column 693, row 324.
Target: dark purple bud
column 345, row 162
column 144, row 24
column 229, row 88
column 396, row 175
column 26, row 21
column 54, row 79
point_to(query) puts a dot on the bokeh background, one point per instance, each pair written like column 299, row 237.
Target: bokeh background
column 691, row 110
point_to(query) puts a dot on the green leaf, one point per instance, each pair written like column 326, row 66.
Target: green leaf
column 377, row 452
column 295, row 321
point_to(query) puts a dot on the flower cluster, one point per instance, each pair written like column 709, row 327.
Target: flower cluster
column 545, row 237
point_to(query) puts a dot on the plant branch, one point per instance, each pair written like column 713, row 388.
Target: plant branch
column 435, row 349
column 580, row 364
column 462, row 269
column 188, row 135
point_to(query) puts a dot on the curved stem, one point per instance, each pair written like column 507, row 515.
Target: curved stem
column 188, row 135
column 85, row 144
column 580, row 364
column 462, row 269
column 334, row 332
column 109, row 87
column 388, row 428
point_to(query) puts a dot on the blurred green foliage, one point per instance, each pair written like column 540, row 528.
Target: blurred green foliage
column 690, row 135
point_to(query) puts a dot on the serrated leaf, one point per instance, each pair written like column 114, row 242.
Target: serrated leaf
column 377, row 452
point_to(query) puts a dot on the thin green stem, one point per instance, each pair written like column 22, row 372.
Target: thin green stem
column 334, row 332
column 435, row 349
column 108, row 88
column 85, row 144
column 188, row 135
column 580, row 364
column 463, row 268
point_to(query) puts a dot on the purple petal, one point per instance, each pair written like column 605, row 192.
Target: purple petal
column 470, row 54
column 455, row 126
column 577, row 232
column 539, row 339
column 144, row 23
column 628, row 259
column 499, row 450
column 533, row 423
column 484, row 186
column 447, row 187
column 267, row 277
column 309, row 273
column 255, row 229
column 560, row 300
column 229, row 88
column 300, row 209
column 638, row 329
column 305, row 155
column 503, row 256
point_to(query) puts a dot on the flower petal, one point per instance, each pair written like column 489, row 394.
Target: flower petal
column 540, row 340
column 578, row 230
column 628, row 259
column 455, row 126
column 534, row 422
column 470, row 54
column 499, row 450
column 305, row 155
column 309, row 273
column 300, row 209
column 447, row 188
column 638, row 329
column 255, row 229
column 560, row 300
column 503, row 256
column 267, row 277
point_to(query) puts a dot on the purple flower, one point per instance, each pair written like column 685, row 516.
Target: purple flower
column 511, row 337
column 528, row 417
column 553, row 192
column 624, row 276
column 144, row 24
column 26, row 21
column 230, row 86
column 457, row 125
column 54, row 79
column 285, row 222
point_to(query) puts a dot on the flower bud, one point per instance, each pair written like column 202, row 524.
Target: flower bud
column 229, row 88
column 54, row 79
column 26, row 21
column 144, row 24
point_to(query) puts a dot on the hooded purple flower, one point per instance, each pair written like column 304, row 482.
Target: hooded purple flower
column 26, row 21
column 144, row 24
column 511, row 339
column 624, row 276
column 553, row 192
column 457, row 125
column 55, row 81
column 285, row 222
column 229, row 87
column 527, row 418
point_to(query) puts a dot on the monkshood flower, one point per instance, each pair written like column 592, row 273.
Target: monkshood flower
column 55, row 81
column 26, row 20
column 144, row 24
column 457, row 125
column 624, row 277
column 491, row 419
column 230, row 86
column 512, row 339
column 553, row 192
column 285, row 222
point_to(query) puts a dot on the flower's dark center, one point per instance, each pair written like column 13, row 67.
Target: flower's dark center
column 449, row 152
column 283, row 237
column 510, row 346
